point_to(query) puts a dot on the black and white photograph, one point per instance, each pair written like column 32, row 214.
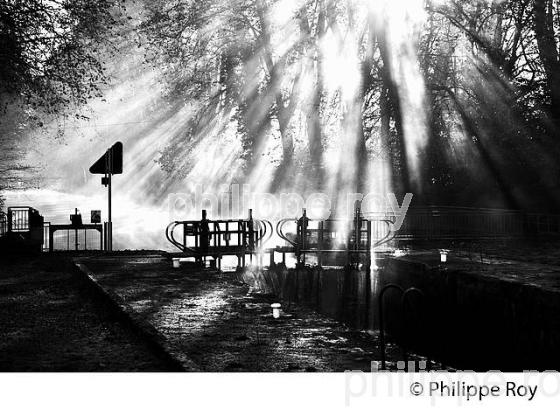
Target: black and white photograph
column 279, row 203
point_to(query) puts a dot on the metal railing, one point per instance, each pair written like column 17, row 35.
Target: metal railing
column 457, row 223
column 18, row 219
column 72, row 238
column 351, row 241
column 340, row 241
column 405, row 310
column 216, row 238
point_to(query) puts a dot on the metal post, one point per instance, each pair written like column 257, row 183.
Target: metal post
column 357, row 233
column 110, row 210
column 51, row 239
column 10, row 220
column 204, row 233
column 320, row 244
column 108, row 181
column 369, row 254
column 302, row 237
column 251, row 233
column 110, row 227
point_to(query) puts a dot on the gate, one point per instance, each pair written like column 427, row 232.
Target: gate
column 335, row 241
column 216, row 238
column 84, row 237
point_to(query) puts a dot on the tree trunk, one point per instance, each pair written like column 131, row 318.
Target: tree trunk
column 548, row 53
column 401, row 177
column 365, row 88
column 275, row 71
column 313, row 104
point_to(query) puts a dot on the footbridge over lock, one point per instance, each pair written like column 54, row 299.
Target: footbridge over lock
column 334, row 241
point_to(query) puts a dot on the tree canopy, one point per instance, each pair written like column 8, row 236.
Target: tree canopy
column 455, row 101
column 486, row 71
column 50, row 51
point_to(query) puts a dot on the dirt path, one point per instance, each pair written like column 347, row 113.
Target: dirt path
column 50, row 322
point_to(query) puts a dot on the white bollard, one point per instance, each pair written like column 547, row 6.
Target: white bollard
column 276, row 310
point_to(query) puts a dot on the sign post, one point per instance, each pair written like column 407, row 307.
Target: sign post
column 110, row 163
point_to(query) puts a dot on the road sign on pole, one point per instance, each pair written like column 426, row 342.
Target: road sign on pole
column 109, row 164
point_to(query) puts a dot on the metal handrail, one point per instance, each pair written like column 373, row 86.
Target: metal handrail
column 251, row 236
column 169, row 233
column 280, row 232
column 406, row 294
column 382, row 320
column 404, row 297
column 390, row 233
column 448, row 222
column 267, row 231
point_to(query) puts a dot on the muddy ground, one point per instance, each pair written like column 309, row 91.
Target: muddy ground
column 50, row 321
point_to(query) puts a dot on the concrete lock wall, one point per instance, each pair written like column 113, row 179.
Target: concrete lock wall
column 466, row 320
column 338, row 293
column 480, row 323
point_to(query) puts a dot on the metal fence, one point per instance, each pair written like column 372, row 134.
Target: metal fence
column 445, row 222
column 63, row 238
column 18, row 219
